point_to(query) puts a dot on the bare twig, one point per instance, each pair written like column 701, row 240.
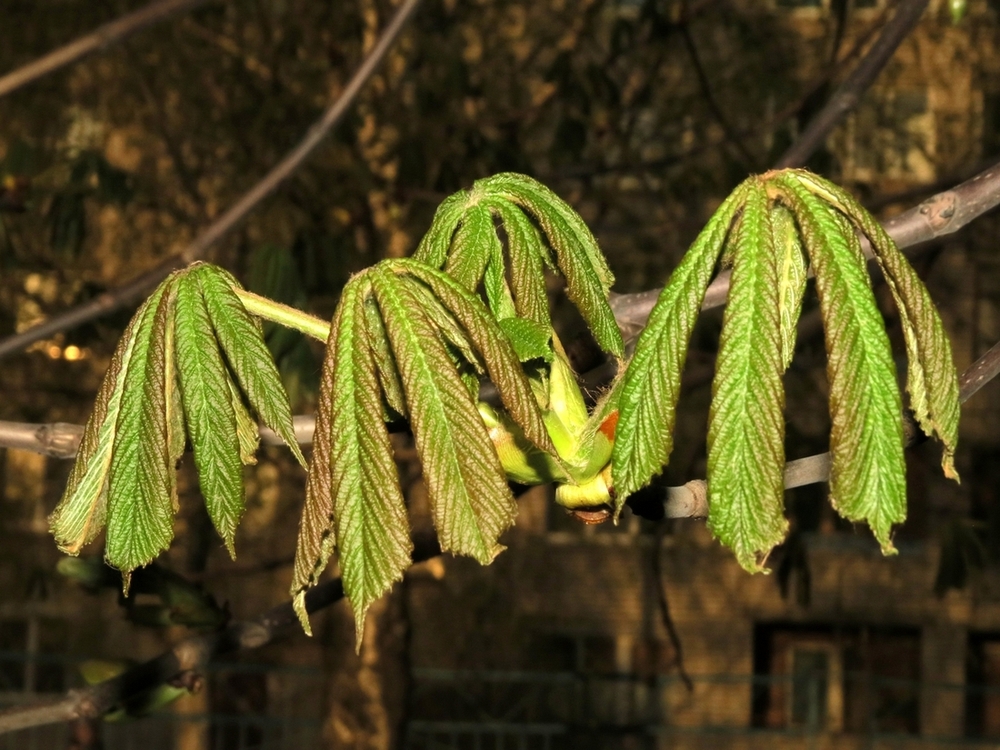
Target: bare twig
column 849, row 93
column 133, row 291
column 99, row 38
column 189, row 655
column 61, row 440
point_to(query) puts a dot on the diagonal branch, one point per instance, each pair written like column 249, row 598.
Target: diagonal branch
column 100, row 38
column 190, row 655
column 135, row 289
column 849, row 93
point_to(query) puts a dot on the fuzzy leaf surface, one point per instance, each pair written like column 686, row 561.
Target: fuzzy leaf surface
column 489, row 341
column 792, row 277
column 211, row 419
column 82, row 511
column 652, row 381
column 353, row 462
column 746, row 451
column 471, row 502
column 867, row 479
column 140, row 506
column 931, row 378
column 433, row 248
column 472, row 247
column 528, row 257
column 243, row 343
column 581, row 262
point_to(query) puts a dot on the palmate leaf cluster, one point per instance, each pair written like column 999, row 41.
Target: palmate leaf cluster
column 766, row 231
column 192, row 366
column 413, row 340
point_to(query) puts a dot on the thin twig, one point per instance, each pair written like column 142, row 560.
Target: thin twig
column 189, row 655
column 849, row 93
column 61, row 440
column 100, row 38
column 135, row 289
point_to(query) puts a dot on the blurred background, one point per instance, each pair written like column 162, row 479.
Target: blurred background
column 643, row 114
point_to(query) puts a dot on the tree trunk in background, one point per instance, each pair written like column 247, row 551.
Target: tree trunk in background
column 366, row 691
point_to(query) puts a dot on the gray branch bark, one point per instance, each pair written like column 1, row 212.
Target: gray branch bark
column 138, row 287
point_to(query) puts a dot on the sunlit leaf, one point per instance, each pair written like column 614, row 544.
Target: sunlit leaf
column 243, row 343
column 140, row 506
column 433, row 248
column 211, row 419
column 652, row 381
column 792, row 276
column 746, row 452
column 588, row 277
column 867, row 480
column 931, row 378
column 497, row 353
column 353, row 494
column 81, row 514
column 471, row 502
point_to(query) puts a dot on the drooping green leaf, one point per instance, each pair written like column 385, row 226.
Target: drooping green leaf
column 472, row 247
column 176, row 430
column 652, row 381
column 247, row 431
column 353, row 495
column 470, row 499
column 746, row 452
column 451, row 331
column 140, row 506
column 581, row 262
column 531, row 340
column 497, row 353
column 540, row 200
column 211, row 419
column 867, row 480
column 528, row 258
column 82, row 511
column 792, row 276
column 495, row 283
column 433, row 248
column 243, row 343
column 385, row 362
column 931, row 378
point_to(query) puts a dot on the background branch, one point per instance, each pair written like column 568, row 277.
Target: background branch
column 99, row 38
column 849, row 93
column 190, row 655
column 135, row 289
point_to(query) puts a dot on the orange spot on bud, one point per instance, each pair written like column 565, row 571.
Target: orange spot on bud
column 609, row 425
